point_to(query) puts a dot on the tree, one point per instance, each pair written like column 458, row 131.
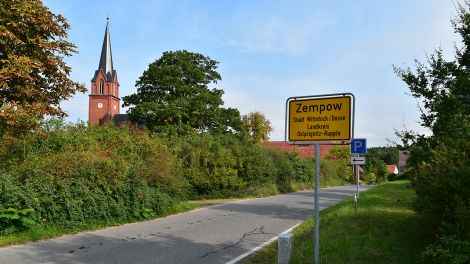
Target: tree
column 34, row 78
column 440, row 163
column 443, row 87
column 339, row 153
column 174, row 91
column 388, row 154
column 257, row 126
column 377, row 167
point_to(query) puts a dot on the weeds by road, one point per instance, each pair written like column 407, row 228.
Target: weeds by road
column 386, row 230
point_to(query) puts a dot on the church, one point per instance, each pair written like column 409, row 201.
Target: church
column 104, row 102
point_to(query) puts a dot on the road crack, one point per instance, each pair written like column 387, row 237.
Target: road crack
column 256, row 231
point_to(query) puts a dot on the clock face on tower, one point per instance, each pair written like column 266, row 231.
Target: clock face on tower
column 100, row 105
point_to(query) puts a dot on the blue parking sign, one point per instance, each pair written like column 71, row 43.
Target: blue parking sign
column 358, row 146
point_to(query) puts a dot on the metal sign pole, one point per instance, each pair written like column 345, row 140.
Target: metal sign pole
column 357, row 177
column 315, row 119
column 317, row 205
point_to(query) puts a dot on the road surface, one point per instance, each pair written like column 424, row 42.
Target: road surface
column 216, row 234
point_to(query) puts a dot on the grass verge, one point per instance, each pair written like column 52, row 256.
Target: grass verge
column 386, row 230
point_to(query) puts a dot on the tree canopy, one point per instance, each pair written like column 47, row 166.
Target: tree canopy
column 34, row 78
column 388, row 154
column 439, row 164
column 443, row 86
column 257, row 126
column 174, row 91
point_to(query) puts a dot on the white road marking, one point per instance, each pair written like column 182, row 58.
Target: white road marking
column 253, row 250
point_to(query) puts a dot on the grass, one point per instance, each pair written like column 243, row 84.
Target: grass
column 40, row 232
column 386, row 230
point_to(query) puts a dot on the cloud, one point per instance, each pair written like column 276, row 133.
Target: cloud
column 277, row 27
column 277, row 35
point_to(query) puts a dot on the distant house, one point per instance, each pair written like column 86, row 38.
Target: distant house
column 392, row 169
column 402, row 157
column 304, row 151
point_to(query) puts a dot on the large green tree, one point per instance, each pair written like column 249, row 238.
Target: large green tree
column 174, row 91
column 34, row 78
column 257, row 126
column 440, row 163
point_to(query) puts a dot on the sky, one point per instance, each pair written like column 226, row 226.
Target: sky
column 270, row 50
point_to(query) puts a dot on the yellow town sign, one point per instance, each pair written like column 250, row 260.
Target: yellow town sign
column 325, row 118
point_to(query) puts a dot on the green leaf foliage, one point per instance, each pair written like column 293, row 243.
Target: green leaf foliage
column 388, row 154
column 257, row 126
column 174, row 90
column 378, row 168
column 440, row 164
column 74, row 175
column 34, row 77
column 12, row 220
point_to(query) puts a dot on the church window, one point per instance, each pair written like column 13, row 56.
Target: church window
column 101, row 87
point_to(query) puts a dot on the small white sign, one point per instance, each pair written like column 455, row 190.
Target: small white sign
column 358, row 160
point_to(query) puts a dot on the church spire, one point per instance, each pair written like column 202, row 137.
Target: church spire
column 104, row 99
column 106, row 59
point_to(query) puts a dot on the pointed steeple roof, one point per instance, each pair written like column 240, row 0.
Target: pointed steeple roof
column 106, row 58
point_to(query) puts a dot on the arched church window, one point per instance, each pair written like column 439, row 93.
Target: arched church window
column 101, row 87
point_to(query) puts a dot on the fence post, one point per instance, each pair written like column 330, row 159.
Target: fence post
column 284, row 248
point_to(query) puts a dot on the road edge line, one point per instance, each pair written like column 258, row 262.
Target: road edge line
column 253, row 250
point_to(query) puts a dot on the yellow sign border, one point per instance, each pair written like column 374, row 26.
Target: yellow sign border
column 344, row 140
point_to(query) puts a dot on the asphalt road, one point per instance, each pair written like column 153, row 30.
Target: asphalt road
column 215, row 234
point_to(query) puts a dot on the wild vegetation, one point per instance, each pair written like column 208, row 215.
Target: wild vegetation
column 375, row 169
column 440, row 164
column 388, row 154
column 386, row 230
column 56, row 176
column 75, row 175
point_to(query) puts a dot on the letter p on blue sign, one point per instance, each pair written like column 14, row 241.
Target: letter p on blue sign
column 358, row 146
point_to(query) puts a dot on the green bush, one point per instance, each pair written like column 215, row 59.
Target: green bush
column 334, row 172
column 70, row 175
column 338, row 159
column 12, row 220
column 378, row 168
column 208, row 165
column 369, row 178
column 442, row 185
column 447, row 249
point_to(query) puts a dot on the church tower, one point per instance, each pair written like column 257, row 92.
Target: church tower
column 104, row 100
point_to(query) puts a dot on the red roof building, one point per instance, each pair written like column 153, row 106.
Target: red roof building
column 304, row 151
column 392, row 169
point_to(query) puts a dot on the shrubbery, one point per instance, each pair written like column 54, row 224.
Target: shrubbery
column 375, row 171
column 68, row 175
column 74, row 174
column 440, row 164
column 442, row 186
